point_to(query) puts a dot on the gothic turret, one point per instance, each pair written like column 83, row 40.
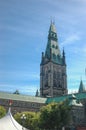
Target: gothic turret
column 53, row 78
column 81, row 87
column 42, row 59
column 37, row 93
column 64, row 63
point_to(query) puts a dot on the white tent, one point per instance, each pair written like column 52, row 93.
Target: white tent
column 9, row 123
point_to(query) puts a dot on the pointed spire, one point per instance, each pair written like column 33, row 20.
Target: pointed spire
column 37, row 93
column 63, row 57
column 42, row 58
column 52, row 28
column 52, row 49
column 52, row 32
column 63, row 52
column 81, row 87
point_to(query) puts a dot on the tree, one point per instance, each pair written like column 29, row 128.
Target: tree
column 65, row 110
column 54, row 116
column 51, row 117
column 48, row 116
column 16, row 92
column 35, row 121
column 31, row 121
column 2, row 111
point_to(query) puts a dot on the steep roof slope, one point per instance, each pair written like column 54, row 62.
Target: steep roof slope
column 21, row 97
column 81, row 87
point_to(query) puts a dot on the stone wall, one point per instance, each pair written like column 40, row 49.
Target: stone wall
column 19, row 106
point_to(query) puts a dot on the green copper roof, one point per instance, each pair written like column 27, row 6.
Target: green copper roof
column 79, row 96
column 27, row 98
column 81, row 87
column 20, row 97
column 52, row 50
column 52, row 28
column 73, row 101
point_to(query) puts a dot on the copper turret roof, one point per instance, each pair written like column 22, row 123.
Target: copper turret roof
column 81, row 87
column 52, row 52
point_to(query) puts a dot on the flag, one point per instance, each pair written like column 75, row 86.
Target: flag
column 10, row 102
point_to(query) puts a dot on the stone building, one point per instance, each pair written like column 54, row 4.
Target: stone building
column 21, row 103
column 77, row 102
column 77, row 111
column 30, row 103
column 53, row 77
column 53, row 85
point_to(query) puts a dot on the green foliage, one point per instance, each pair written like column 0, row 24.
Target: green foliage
column 31, row 121
column 16, row 92
column 64, row 113
column 48, row 116
column 2, row 111
column 51, row 117
column 54, row 116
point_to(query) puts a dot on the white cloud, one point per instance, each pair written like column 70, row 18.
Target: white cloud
column 70, row 40
column 71, row 91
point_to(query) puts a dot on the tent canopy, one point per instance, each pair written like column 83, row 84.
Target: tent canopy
column 9, row 123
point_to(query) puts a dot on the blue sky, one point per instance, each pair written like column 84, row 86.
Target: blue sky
column 24, row 26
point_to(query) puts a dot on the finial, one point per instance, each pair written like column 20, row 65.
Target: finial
column 42, row 54
column 37, row 93
column 52, row 20
column 63, row 52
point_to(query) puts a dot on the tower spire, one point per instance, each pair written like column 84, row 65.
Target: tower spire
column 52, row 20
column 52, row 49
column 63, row 56
column 53, row 78
column 81, row 87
